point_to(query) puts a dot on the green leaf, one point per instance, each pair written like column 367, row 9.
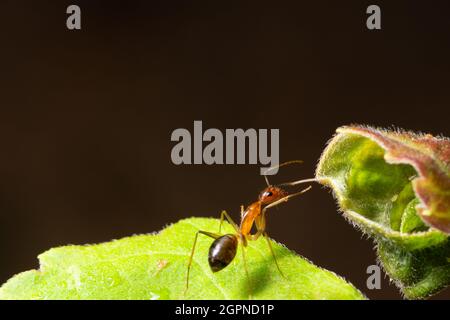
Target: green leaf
column 154, row 267
column 395, row 186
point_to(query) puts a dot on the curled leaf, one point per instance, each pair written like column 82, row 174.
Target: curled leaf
column 395, row 186
column 154, row 267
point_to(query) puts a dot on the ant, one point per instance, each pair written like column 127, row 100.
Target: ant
column 223, row 250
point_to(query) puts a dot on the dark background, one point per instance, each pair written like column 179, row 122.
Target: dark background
column 86, row 116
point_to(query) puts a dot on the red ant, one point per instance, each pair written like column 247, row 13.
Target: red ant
column 223, row 250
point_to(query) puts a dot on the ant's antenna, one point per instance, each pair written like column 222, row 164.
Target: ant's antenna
column 297, row 182
column 294, row 183
column 278, row 166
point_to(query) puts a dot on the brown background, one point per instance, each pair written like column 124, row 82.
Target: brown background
column 86, row 116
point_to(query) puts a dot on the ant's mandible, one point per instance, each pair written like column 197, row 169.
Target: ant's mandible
column 223, row 250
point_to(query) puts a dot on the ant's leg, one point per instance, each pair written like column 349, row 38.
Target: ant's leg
column 260, row 223
column 225, row 214
column 266, row 236
column 246, row 271
column 209, row 234
column 255, row 236
column 261, row 227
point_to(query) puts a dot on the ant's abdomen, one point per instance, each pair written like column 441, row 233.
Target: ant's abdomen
column 222, row 252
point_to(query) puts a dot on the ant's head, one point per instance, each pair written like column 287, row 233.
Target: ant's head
column 271, row 194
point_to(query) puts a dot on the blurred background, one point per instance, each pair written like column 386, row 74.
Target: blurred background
column 86, row 116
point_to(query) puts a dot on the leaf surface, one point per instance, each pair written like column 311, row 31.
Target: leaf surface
column 154, row 267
